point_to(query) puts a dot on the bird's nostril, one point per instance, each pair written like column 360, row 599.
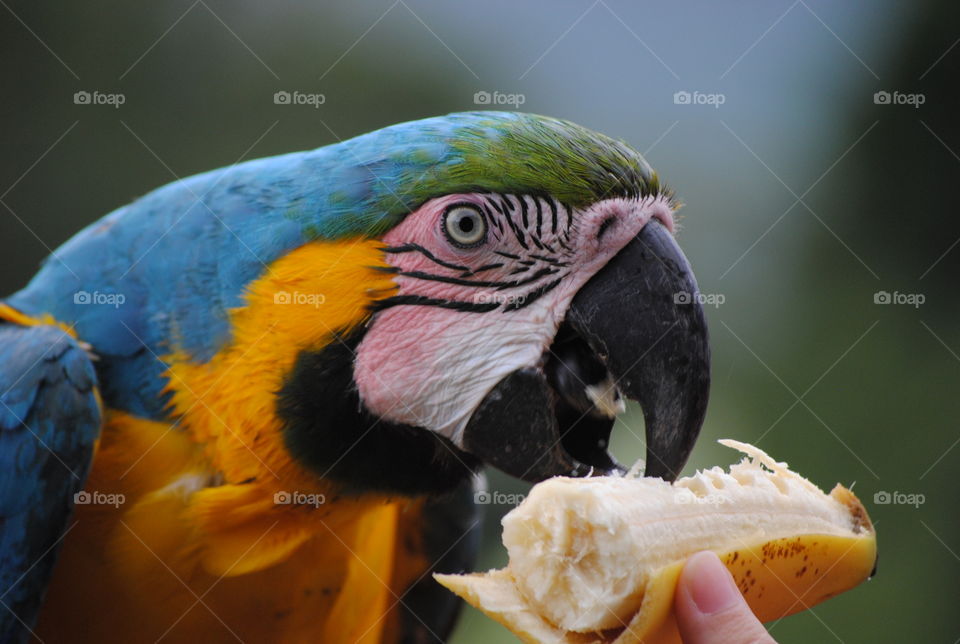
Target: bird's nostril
column 605, row 226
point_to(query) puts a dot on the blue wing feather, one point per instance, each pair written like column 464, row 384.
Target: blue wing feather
column 49, row 424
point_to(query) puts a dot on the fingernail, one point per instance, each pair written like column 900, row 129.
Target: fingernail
column 711, row 586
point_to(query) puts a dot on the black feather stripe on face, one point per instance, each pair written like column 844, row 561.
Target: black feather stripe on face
column 537, row 257
column 420, row 300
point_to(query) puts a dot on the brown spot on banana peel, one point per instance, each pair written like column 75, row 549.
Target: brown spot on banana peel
column 778, row 576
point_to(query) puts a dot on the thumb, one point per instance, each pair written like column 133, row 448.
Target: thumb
column 710, row 608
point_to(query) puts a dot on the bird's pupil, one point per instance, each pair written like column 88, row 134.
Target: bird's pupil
column 466, row 225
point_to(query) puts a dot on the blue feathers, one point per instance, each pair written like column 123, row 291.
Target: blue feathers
column 49, row 423
column 161, row 273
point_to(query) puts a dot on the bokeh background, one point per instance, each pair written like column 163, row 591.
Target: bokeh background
column 808, row 197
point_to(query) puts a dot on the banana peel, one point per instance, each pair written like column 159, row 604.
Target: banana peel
column 597, row 560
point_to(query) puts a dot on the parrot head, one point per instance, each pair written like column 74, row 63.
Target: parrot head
column 537, row 287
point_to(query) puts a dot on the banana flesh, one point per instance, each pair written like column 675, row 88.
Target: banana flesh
column 597, row 559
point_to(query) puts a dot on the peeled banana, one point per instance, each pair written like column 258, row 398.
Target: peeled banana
column 597, row 559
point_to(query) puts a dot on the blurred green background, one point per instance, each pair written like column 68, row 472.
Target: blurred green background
column 805, row 195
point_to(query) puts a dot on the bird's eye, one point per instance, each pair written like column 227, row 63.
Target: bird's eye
column 464, row 226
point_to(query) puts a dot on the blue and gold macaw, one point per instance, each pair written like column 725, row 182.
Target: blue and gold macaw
column 251, row 404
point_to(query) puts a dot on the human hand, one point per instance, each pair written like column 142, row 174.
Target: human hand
column 710, row 608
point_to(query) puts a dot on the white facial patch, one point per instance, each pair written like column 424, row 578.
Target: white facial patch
column 465, row 318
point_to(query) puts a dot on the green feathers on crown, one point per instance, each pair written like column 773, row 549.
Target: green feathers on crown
column 508, row 152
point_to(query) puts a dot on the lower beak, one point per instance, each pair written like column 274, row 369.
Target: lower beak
column 638, row 328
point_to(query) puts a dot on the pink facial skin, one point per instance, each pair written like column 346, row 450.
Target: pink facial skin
column 430, row 365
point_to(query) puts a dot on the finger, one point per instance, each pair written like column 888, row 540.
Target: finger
column 710, row 608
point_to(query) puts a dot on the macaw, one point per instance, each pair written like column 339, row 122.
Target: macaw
column 252, row 404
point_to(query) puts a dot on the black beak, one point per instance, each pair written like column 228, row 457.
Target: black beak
column 641, row 315
column 636, row 328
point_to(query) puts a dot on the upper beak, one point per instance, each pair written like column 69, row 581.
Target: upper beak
column 641, row 314
column 637, row 328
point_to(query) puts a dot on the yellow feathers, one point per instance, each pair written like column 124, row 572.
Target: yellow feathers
column 300, row 302
column 202, row 548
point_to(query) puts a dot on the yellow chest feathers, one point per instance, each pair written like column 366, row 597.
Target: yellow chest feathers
column 205, row 529
column 163, row 550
